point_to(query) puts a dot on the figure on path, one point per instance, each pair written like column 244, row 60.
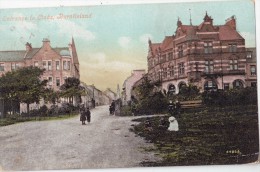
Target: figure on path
column 83, row 115
column 88, row 115
column 112, row 108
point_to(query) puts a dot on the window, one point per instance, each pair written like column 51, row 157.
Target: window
column 36, row 64
column 208, row 49
column 50, row 80
column 2, row 67
column 164, row 72
column 49, row 65
column 66, row 65
column 237, row 84
column 249, row 55
column 210, row 85
column 170, row 56
column 180, row 51
column 232, row 48
column 181, row 68
column 57, row 65
column 45, row 65
column 209, row 66
column 233, row 65
column 171, row 71
column 163, row 59
column 226, row 86
column 57, row 82
column 14, row 66
column 253, row 70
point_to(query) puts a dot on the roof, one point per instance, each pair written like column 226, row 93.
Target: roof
column 20, row 55
column 155, row 46
column 63, row 51
column 227, row 33
column 9, row 56
column 167, row 42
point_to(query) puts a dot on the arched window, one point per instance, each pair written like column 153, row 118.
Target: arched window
column 238, row 84
column 182, row 84
column 210, row 85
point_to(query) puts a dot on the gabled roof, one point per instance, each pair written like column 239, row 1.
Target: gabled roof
column 155, row 46
column 167, row 42
column 227, row 33
column 8, row 56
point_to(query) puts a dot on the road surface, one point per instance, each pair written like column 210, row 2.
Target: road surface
column 66, row 144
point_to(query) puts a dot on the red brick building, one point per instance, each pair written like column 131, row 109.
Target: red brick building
column 208, row 56
column 59, row 63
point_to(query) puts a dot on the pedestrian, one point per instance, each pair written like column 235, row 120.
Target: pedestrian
column 88, row 115
column 110, row 110
column 83, row 115
column 178, row 108
column 113, row 106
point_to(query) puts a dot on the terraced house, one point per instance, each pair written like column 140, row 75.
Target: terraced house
column 207, row 55
column 59, row 63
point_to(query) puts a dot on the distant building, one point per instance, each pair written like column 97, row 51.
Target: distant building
column 59, row 63
column 128, row 85
column 110, row 94
column 208, row 56
column 251, row 80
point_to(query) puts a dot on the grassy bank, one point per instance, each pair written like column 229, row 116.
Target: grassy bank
column 18, row 119
column 210, row 136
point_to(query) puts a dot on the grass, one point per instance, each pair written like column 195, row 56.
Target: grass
column 19, row 119
column 211, row 136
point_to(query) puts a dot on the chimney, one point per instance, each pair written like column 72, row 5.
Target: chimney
column 46, row 43
column 231, row 22
column 28, row 46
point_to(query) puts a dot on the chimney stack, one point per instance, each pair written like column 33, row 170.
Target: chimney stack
column 28, row 46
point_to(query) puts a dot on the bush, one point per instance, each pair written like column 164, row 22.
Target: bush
column 231, row 97
column 43, row 110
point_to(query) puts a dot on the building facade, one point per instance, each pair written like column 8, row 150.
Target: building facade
column 129, row 83
column 59, row 63
column 208, row 56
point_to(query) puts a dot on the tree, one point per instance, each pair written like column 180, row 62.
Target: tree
column 23, row 85
column 151, row 100
column 72, row 89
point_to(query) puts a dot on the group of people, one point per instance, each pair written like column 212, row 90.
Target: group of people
column 85, row 114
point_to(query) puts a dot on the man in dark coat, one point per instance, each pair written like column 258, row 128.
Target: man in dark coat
column 83, row 115
column 88, row 115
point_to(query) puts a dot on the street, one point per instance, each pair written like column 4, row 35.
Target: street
column 66, row 144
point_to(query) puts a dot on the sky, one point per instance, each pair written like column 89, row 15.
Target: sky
column 112, row 40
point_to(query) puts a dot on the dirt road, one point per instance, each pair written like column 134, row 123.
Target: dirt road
column 66, row 144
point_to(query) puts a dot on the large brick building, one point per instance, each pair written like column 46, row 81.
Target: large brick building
column 59, row 63
column 208, row 56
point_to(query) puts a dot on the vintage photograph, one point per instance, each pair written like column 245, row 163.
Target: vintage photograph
column 128, row 85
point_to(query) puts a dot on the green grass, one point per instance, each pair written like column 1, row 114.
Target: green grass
column 19, row 119
column 205, row 137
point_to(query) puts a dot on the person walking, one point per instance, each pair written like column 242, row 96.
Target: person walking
column 88, row 115
column 83, row 115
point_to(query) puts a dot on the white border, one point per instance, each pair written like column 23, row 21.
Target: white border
column 61, row 3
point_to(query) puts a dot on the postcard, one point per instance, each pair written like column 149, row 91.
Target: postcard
column 128, row 85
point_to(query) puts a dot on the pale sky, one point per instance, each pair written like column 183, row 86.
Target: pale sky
column 112, row 41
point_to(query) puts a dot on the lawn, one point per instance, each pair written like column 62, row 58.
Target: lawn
column 18, row 119
column 208, row 136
